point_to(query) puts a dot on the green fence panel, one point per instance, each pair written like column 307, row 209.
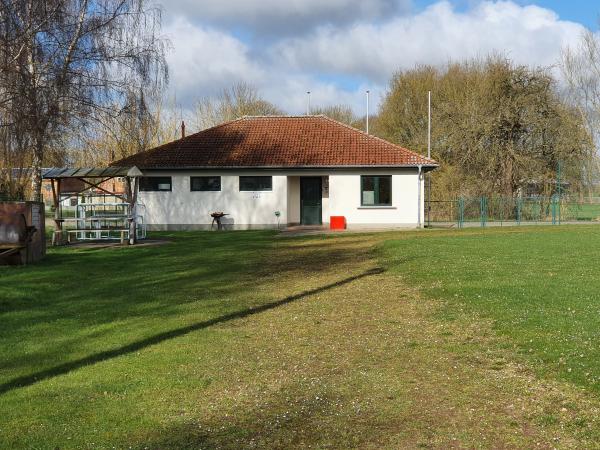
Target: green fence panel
column 483, row 211
column 461, row 212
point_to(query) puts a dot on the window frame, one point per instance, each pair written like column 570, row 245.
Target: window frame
column 142, row 189
column 205, row 176
column 376, row 203
column 270, row 177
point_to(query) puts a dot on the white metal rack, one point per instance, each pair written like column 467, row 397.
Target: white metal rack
column 101, row 220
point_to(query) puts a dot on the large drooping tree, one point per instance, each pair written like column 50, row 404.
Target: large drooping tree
column 497, row 127
column 138, row 122
column 61, row 61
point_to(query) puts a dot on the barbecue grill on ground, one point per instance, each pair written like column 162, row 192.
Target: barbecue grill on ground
column 217, row 216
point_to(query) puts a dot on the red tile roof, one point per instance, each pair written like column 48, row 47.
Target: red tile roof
column 277, row 142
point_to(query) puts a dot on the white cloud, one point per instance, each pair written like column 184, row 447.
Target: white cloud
column 291, row 94
column 204, row 60
column 529, row 35
column 284, row 16
column 208, row 58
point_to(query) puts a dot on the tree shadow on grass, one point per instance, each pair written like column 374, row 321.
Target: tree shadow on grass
column 81, row 302
column 65, row 368
column 98, row 286
column 305, row 422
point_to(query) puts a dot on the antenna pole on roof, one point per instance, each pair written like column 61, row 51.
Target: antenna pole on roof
column 308, row 103
column 428, row 154
column 182, row 129
column 429, row 124
column 367, row 128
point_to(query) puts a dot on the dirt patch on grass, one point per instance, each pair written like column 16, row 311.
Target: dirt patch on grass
column 369, row 363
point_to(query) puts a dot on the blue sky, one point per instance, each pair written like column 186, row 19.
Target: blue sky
column 337, row 49
column 585, row 12
column 582, row 11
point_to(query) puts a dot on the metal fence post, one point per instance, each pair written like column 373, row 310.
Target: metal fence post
column 461, row 212
column 559, row 209
column 483, row 210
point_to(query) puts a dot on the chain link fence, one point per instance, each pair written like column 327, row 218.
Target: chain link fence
column 498, row 211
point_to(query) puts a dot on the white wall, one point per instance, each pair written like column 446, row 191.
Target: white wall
column 344, row 199
column 182, row 208
column 293, row 200
column 325, row 200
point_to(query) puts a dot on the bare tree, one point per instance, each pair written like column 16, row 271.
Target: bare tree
column 13, row 160
column 63, row 59
column 141, row 123
column 237, row 101
column 580, row 68
column 341, row 113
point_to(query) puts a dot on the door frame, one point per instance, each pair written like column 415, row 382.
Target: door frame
column 320, row 199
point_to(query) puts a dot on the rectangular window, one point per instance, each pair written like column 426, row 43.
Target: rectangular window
column 149, row 184
column 205, row 184
column 256, row 184
column 376, row 190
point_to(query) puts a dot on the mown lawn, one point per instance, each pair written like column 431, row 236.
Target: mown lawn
column 433, row 339
column 541, row 288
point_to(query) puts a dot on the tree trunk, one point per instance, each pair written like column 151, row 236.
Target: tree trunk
column 36, row 176
column 131, row 187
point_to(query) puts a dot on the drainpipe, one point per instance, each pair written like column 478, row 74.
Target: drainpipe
column 419, row 197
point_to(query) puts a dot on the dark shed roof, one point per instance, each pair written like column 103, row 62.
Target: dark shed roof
column 90, row 172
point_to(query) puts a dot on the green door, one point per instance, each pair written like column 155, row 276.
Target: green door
column 310, row 200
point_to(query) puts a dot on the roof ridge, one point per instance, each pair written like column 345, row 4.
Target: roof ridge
column 337, row 122
column 282, row 116
column 376, row 137
column 219, row 125
column 275, row 131
column 179, row 141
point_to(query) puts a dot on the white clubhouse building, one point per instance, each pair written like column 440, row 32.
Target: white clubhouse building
column 271, row 171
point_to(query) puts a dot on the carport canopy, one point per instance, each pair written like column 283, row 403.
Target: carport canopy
column 91, row 172
column 94, row 177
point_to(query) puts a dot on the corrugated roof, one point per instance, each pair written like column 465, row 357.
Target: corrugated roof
column 277, row 142
column 86, row 172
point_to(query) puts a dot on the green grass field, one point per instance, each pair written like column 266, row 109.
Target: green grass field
column 540, row 287
column 581, row 212
column 471, row 338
